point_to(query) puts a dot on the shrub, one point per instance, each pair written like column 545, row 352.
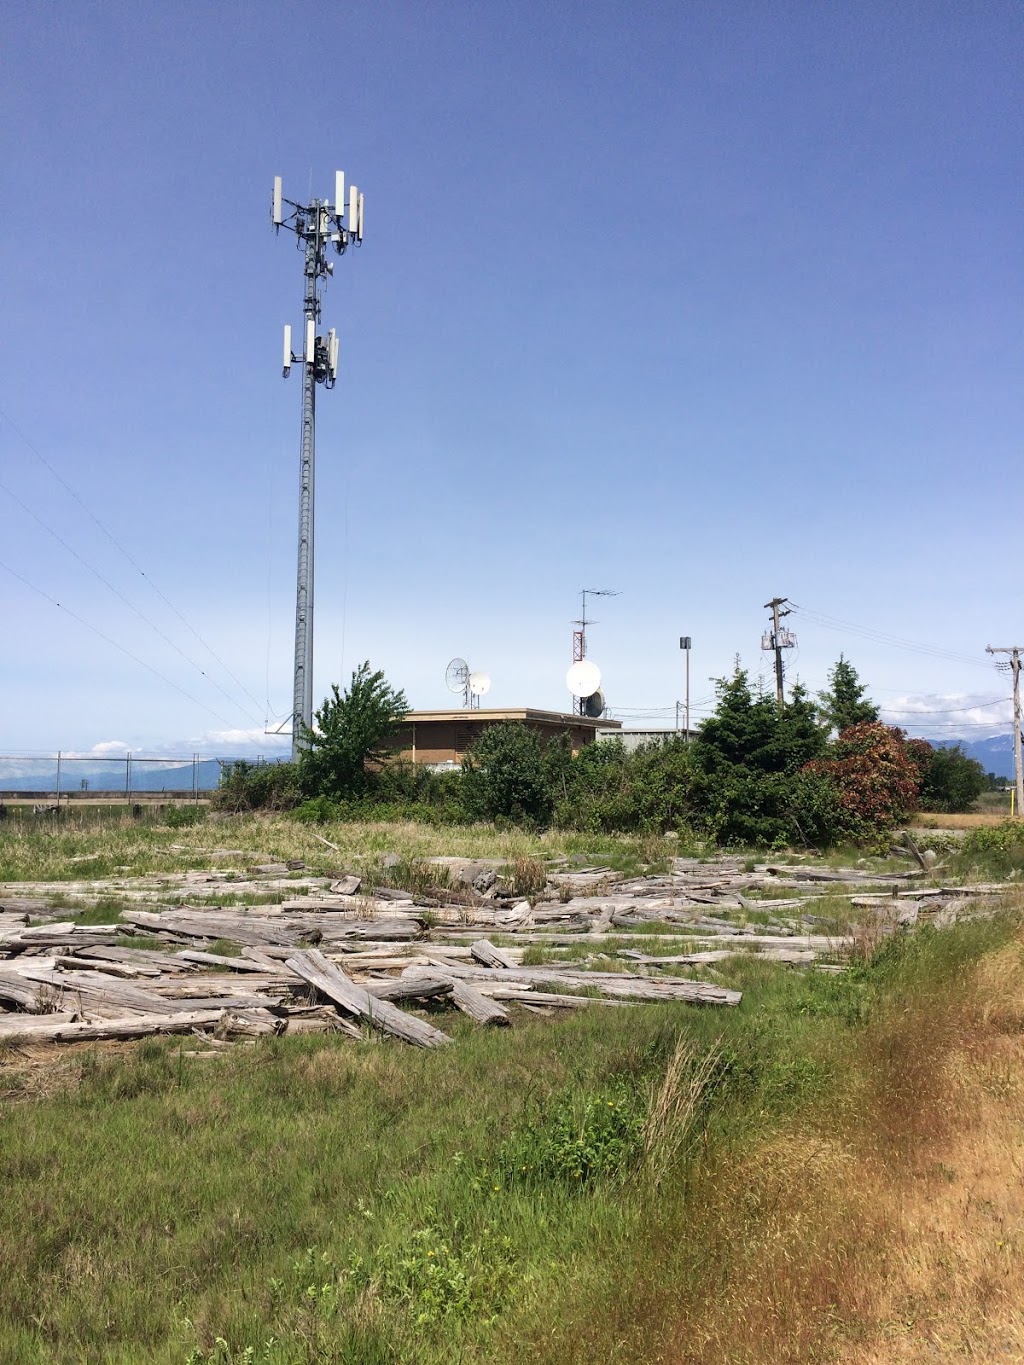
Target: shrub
column 874, row 777
column 951, row 782
column 263, row 786
column 504, row 776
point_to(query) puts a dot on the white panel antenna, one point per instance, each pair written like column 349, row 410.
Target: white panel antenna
column 287, row 357
column 339, row 193
column 353, row 209
column 332, row 353
column 276, row 213
column 359, row 225
column 310, row 341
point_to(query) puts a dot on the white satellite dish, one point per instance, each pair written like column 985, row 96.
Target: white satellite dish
column 479, row 684
column 456, row 675
column 583, row 679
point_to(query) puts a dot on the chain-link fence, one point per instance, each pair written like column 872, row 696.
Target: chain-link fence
column 63, row 777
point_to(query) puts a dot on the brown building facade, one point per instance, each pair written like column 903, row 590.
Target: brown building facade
column 445, row 736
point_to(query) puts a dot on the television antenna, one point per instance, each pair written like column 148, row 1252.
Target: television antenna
column 456, row 678
column 317, row 225
column 579, row 654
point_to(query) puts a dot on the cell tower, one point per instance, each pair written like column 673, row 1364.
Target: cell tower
column 317, row 226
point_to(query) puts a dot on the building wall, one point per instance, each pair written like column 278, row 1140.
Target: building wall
column 445, row 741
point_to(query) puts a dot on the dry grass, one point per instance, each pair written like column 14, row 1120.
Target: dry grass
column 896, row 1238
column 973, row 820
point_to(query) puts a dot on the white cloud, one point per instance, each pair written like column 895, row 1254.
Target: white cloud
column 951, row 715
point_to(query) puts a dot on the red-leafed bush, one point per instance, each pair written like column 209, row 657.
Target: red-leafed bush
column 875, row 779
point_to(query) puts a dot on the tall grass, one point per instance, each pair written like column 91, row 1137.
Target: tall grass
column 700, row 1186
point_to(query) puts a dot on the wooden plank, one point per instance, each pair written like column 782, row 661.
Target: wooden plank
column 331, row 981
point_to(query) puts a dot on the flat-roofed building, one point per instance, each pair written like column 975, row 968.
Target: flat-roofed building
column 443, row 737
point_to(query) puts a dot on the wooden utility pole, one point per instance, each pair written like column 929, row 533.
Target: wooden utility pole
column 777, row 640
column 1014, row 652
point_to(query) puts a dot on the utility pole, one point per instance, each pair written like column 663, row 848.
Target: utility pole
column 684, row 644
column 1014, row 652
column 316, row 225
column 776, row 640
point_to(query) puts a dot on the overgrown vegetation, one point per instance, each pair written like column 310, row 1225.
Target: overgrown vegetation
column 812, row 773
column 600, row 1188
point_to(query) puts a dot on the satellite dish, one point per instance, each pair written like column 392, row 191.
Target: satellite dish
column 456, row 675
column 479, row 684
column 593, row 706
column 583, row 679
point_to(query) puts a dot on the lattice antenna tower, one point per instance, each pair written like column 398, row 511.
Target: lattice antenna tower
column 592, row 703
column 317, row 226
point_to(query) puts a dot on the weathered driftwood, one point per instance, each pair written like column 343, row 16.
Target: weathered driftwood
column 236, row 964
column 18, row 990
column 621, row 984
column 331, row 981
column 417, row 988
column 485, row 952
column 469, row 1000
column 38, row 1030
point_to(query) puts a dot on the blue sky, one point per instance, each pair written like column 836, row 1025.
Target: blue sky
column 702, row 303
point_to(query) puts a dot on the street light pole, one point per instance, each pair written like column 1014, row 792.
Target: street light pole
column 684, row 644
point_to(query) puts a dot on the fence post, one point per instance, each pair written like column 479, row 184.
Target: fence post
column 195, row 779
column 58, row 781
column 128, row 778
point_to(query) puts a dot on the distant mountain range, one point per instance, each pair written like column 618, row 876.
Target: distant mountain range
column 994, row 754
column 41, row 776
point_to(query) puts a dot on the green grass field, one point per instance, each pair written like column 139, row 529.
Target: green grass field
column 646, row 1184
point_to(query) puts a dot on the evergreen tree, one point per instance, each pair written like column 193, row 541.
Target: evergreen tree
column 844, row 703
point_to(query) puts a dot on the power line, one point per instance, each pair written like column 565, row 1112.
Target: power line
column 121, row 596
column 120, row 548
column 945, row 710
column 96, row 631
column 883, row 637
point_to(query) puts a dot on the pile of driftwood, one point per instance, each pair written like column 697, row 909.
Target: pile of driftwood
column 328, row 953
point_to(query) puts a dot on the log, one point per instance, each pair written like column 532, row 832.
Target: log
column 15, row 989
column 331, row 981
column 485, row 952
column 236, row 964
column 477, row 1006
column 620, row 984
column 419, row 988
column 141, row 1026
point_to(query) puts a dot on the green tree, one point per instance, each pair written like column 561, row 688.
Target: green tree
column 951, row 782
column 746, row 758
column 350, row 732
column 844, row 702
column 507, row 776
